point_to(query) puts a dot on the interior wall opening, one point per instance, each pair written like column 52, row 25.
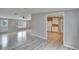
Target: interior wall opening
column 55, row 28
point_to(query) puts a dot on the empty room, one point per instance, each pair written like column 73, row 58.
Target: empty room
column 39, row 29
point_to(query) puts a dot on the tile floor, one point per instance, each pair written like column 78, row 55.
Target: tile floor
column 23, row 40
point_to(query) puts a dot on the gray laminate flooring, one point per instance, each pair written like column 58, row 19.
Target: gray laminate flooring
column 23, row 40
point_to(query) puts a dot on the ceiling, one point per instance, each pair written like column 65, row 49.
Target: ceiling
column 25, row 11
column 30, row 10
column 43, row 10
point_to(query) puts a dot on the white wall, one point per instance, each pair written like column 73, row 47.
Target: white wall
column 71, row 29
column 39, row 25
column 28, row 24
column 12, row 25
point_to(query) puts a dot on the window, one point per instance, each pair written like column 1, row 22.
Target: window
column 3, row 25
column 21, row 24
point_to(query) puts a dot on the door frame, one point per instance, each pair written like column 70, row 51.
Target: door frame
column 63, row 26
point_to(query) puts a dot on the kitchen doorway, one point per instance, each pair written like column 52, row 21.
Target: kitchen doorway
column 55, row 28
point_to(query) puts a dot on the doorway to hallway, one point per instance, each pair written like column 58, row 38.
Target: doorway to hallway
column 55, row 28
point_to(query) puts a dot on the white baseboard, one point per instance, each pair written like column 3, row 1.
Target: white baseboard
column 72, row 47
column 38, row 36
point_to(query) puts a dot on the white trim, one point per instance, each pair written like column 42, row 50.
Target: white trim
column 63, row 23
column 72, row 47
column 38, row 36
column 46, row 27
